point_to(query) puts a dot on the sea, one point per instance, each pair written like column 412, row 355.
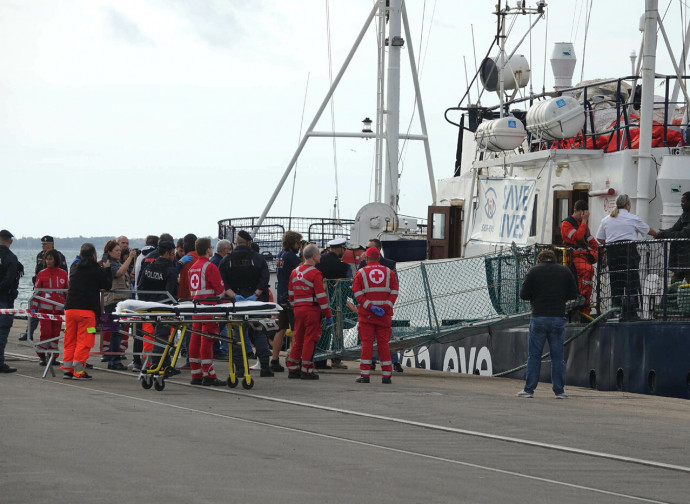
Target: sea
column 28, row 258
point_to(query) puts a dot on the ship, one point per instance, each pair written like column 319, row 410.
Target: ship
column 520, row 166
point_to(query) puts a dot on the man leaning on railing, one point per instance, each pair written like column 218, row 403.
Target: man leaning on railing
column 679, row 254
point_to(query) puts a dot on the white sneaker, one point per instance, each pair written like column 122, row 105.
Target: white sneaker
column 524, row 393
column 562, row 395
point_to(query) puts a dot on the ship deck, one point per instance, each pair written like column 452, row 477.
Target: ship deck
column 428, row 437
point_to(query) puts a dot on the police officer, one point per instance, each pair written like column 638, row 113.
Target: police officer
column 576, row 234
column 332, row 267
column 245, row 274
column 10, row 271
column 159, row 275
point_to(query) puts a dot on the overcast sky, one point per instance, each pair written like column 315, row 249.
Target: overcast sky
column 147, row 116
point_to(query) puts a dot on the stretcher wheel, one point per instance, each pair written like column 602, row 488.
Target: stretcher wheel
column 232, row 383
column 169, row 372
column 159, row 385
column 247, row 383
column 147, row 381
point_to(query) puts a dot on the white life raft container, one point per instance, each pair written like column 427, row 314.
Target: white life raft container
column 556, row 119
column 506, row 133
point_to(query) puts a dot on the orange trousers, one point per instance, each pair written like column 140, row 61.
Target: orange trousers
column 80, row 335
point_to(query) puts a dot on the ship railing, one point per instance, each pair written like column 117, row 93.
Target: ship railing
column 611, row 115
column 646, row 280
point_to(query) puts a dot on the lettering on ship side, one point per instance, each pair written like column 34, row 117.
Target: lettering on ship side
column 455, row 360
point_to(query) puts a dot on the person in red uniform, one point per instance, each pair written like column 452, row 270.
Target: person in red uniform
column 376, row 288
column 308, row 300
column 204, row 282
column 576, row 234
column 52, row 303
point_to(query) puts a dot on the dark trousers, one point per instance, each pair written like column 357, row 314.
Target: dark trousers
column 624, row 275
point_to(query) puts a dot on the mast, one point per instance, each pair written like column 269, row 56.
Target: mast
column 645, row 162
column 395, row 43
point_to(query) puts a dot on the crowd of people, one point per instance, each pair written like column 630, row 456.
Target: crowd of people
column 166, row 271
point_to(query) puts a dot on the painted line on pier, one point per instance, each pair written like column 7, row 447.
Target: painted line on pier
column 347, row 440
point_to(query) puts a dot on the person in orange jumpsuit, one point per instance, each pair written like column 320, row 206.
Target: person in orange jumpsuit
column 576, row 235
column 376, row 289
column 308, row 300
column 204, row 282
column 86, row 280
column 51, row 303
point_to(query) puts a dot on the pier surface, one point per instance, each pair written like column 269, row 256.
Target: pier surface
column 429, row 437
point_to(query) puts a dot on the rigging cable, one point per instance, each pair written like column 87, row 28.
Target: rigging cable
column 336, row 203
column 546, row 43
column 299, row 139
column 584, row 43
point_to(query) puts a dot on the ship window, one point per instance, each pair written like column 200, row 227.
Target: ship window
column 533, row 226
column 563, row 210
column 438, row 231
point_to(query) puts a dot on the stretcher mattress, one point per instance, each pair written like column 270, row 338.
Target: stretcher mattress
column 134, row 306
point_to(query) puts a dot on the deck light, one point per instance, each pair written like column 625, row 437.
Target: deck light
column 366, row 125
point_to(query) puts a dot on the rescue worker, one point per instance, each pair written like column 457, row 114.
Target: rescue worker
column 576, row 235
column 332, row 267
column 10, row 272
column 205, row 282
column 47, row 243
column 159, row 275
column 286, row 262
column 51, row 303
column 183, row 264
column 246, row 277
column 376, row 289
column 308, row 300
column 83, row 305
column 388, row 263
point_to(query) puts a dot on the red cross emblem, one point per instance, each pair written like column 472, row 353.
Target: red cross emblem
column 376, row 276
column 194, row 281
column 300, row 276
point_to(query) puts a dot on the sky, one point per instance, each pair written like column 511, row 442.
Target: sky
column 140, row 117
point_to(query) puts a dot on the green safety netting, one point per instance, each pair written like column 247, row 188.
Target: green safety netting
column 436, row 298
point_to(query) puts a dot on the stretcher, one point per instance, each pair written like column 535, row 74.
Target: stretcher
column 179, row 318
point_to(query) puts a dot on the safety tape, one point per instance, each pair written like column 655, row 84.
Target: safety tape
column 23, row 311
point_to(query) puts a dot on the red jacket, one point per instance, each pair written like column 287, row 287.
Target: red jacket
column 306, row 289
column 375, row 285
column 183, row 291
column 50, row 278
column 205, row 280
column 576, row 234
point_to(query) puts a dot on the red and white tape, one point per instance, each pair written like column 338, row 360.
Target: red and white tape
column 23, row 311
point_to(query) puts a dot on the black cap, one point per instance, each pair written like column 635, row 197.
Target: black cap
column 245, row 236
column 4, row 233
column 47, row 239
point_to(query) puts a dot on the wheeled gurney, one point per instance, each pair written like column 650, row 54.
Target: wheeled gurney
column 179, row 318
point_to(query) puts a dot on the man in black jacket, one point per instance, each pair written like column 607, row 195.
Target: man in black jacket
column 10, row 271
column 245, row 274
column 679, row 253
column 86, row 280
column 547, row 286
column 161, row 276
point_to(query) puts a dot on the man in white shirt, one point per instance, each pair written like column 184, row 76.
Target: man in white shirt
column 623, row 259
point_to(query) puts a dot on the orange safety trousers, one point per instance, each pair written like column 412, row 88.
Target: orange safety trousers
column 80, row 335
column 585, row 273
column 147, row 347
column 305, row 336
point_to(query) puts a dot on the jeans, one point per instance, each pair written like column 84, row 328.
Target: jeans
column 221, row 347
column 6, row 322
column 542, row 329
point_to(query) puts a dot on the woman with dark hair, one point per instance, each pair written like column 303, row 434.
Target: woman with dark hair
column 120, row 270
column 51, row 277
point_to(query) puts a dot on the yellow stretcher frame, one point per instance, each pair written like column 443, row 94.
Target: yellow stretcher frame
column 155, row 377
